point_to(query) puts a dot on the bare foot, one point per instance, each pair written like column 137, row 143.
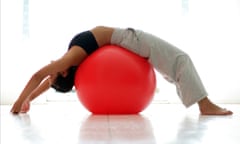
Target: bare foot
column 208, row 108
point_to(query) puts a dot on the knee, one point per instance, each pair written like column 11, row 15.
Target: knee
column 183, row 59
column 182, row 64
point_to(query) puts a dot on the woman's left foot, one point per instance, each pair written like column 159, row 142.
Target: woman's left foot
column 208, row 108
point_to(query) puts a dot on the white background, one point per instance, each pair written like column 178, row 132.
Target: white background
column 208, row 30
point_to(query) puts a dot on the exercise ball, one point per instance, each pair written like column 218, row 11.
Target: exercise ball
column 113, row 80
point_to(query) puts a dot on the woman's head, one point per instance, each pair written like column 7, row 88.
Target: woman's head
column 64, row 83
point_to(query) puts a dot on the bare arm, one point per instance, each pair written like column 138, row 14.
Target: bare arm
column 33, row 84
column 73, row 57
column 45, row 85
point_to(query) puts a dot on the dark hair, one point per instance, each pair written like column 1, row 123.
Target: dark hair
column 65, row 84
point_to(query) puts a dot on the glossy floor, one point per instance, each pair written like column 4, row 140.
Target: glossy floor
column 70, row 123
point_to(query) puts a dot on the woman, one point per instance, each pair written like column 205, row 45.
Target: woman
column 175, row 65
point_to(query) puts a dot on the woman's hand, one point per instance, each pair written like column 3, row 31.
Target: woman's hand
column 25, row 106
column 21, row 107
column 16, row 108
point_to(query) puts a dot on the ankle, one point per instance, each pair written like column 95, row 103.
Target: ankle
column 204, row 103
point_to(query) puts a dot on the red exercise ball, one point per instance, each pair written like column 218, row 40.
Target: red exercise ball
column 113, row 80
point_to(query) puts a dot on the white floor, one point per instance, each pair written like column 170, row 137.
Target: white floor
column 70, row 123
column 39, row 31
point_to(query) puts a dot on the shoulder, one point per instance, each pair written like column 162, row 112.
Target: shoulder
column 74, row 56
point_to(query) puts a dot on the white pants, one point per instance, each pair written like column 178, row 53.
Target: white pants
column 174, row 64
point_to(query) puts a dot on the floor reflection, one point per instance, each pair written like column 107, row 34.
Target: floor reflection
column 117, row 128
column 26, row 130
column 191, row 131
column 204, row 129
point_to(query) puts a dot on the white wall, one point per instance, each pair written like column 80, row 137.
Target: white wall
column 208, row 30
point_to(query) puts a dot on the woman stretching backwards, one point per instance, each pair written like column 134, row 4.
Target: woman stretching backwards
column 174, row 64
